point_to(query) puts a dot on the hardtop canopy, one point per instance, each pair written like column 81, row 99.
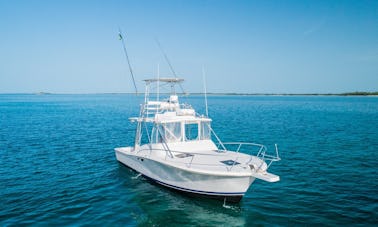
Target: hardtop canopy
column 166, row 80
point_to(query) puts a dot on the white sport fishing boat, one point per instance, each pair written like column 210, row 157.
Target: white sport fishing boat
column 174, row 147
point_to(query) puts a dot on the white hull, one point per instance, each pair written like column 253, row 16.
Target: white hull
column 187, row 181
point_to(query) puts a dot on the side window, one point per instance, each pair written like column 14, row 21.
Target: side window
column 191, row 131
column 205, row 130
column 158, row 134
column 172, row 132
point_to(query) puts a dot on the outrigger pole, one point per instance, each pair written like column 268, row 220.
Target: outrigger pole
column 128, row 60
column 169, row 63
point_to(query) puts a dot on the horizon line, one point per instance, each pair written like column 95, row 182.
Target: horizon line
column 355, row 93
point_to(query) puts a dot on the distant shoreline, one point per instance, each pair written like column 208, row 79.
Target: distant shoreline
column 356, row 93
column 293, row 94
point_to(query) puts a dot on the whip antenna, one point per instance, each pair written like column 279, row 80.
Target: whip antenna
column 205, row 90
column 128, row 60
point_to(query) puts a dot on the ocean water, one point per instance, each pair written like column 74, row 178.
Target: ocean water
column 57, row 163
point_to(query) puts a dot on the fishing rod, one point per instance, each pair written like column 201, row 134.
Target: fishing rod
column 128, row 60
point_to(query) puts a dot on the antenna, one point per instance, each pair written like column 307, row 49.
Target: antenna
column 169, row 63
column 204, row 87
column 158, row 81
column 128, row 60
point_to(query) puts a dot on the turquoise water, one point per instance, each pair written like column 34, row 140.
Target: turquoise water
column 58, row 167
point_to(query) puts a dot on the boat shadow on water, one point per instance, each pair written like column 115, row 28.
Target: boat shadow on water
column 161, row 206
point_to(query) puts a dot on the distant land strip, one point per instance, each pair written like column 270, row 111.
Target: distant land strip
column 356, row 93
column 360, row 93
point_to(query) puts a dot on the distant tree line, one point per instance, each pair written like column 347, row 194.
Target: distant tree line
column 360, row 93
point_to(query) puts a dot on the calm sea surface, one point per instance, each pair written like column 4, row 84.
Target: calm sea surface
column 57, row 163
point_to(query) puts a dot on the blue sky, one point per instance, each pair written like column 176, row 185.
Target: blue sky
column 245, row 46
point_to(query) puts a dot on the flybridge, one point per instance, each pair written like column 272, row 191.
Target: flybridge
column 154, row 108
column 172, row 121
column 154, row 105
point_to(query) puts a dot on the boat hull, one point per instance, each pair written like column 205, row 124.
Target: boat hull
column 230, row 188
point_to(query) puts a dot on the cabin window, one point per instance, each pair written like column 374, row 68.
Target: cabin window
column 205, row 130
column 172, row 132
column 191, row 131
